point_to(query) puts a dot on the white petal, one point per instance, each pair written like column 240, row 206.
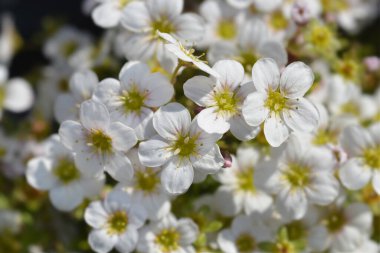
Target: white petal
column 355, row 139
column 171, row 119
column 318, row 238
column 254, row 109
column 275, row 130
column 258, row 202
column 228, row 203
column 348, row 239
column 210, row 162
column 296, row 80
column 83, row 83
column 133, row 73
column 65, row 108
column 159, row 89
column 95, row 215
column 136, row 17
column 72, row 134
column 189, row 27
column 188, row 231
column 376, row 181
column 226, row 241
column 66, row 197
column 107, row 91
column 231, row 73
column 165, row 8
column 39, row 174
column 212, row 122
column 267, row 6
column 120, row 168
column 19, row 95
column 127, row 241
column 100, row 241
column 123, row 137
column 324, row 189
column 265, row 75
column 301, row 116
column 154, row 153
column 241, row 130
column 354, row 175
column 360, row 216
column 89, row 163
column 177, row 177
column 106, row 15
column 94, row 115
column 275, row 50
column 293, row 204
column 199, row 89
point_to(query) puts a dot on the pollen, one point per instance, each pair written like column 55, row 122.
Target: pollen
column 226, row 101
column 66, row 171
column 168, row 239
column 245, row 243
column 100, row 141
column 147, row 181
column 275, row 102
column 133, row 100
column 226, row 29
column 184, row 146
column 298, row 176
column 324, row 137
column 371, row 157
column 247, row 59
column 117, row 223
column 278, row 21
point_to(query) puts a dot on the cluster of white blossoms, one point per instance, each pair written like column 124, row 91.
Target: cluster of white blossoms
column 242, row 126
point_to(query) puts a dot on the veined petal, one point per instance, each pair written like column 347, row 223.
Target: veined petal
column 212, row 122
column 100, row 241
column 123, row 137
column 275, row 130
column 275, row 50
column 355, row 139
column 354, row 175
column 296, row 80
column 154, row 152
column 177, row 176
column 231, row 73
column 94, row 115
column 265, row 75
column 159, row 89
column 136, row 17
column 165, row 8
column 72, row 135
column 119, row 167
column 189, row 27
column 254, row 110
column 95, row 215
column 301, row 116
column 83, row 84
column 200, row 89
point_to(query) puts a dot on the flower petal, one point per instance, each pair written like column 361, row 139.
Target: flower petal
column 301, row 116
column 136, row 17
column 39, row 174
column 94, row 115
column 106, row 15
column 212, row 122
column 19, row 95
column 275, row 130
column 200, row 89
column 231, row 73
column 100, row 241
column 123, row 137
column 254, row 109
column 177, row 176
column 296, row 80
column 95, row 215
column 66, row 197
column 154, row 153
column 72, row 135
column 265, row 75
column 354, row 175
column 159, row 90
column 241, row 130
column 120, row 168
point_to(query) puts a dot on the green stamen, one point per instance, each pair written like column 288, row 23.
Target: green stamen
column 100, row 141
column 226, row 29
column 168, row 239
column 275, row 102
column 371, row 157
column 147, row 180
column 66, row 171
column 245, row 180
column 117, row 223
column 245, row 243
column 297, row 175
column 133, row 100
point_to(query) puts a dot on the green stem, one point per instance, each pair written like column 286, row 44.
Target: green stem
column 174, row 76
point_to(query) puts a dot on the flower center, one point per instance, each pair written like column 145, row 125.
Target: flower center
column 348, row 69
column 297, row 176
column 66, row 171
column 184, row 146
column 226, row 29
column 163, row 25
column 168, row 239
column 117, row 223
column 372, row 157
column 2, row 95
column 350, row 108
column 133, row 100
column 190, row 53
column 245, row 180
column 247, row 59
column 320, row 36
column 245, row 243
column 147, row 180
column 123, row 3
column 69, row 48
column 278, row 21
column 335, row 221
column 226, row 101
column 334, row 6
column 324, row 137
column 275, row 102
column 101, row 142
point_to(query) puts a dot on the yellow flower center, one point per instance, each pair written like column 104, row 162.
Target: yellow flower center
column 2, row 96
column 371, row 157
column 324, row 137
column 334, row 6
column 100, row 141
column 123, row 3
column 66, row 171
column 348, row 69
column 69, row 48
column 298, row 176
column 133, row 100
column 320, row 36
column 163, row 25
column 350, row 108
column 226, row 101
column 245, row 180
column 245, row 243
column 147, row 181
column 335, row 221
column 247, row 59
column 275, row 102
column 227, row 29
column 168, row 239
column 117, row 223
column 184, row 146
column 278, row 21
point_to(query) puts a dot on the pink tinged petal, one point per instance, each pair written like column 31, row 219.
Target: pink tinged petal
column 66, row 197
column 293, row 204
column 177, row 176
column 127, row 242
column 212, row 122
column 136, row 17
column 254, row 109
column 19, row 95
column 39, row 173
column 120, row 168
column 188, row 231
column 301, row 116
column 189, row 27
column 354, row 175
column 275, row 50
column 123, row 137
column 107, row 92
column 296, row 80
column 241, row 130
column 154, row 152
column 275, row 130
column 100, row 241
column 94, row 115
column 159, row 90
column 265, row 75
column 323, row 190
column 83, row 84
column 72, row 135
column 106, row 15
column 355, row 139
column 376, row 181
column 200, row 90
column 231, row 73
column 172, row 119
column 95, row 215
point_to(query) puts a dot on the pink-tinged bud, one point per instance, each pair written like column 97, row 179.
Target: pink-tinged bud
column 372, row 63
column 198, row 109
column 300, row 13
column 227, row 159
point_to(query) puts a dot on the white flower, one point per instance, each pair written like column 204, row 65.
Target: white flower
column 115, row 222
column 99, row 143
column 342, row 229
column 186, row 55
column 278, row 101
column 180, row 147
column 244, row 235
column 57, row 173
column 9, row 39
column 264, row 6
column 239, row 189
column 131, row 99
column 144, row 18
column 363, row 148
column 223, row 98
column 16, row 94
column 302, row 175
column 253, row 42
column 108, row 13
column 81, row 86
column 168, row 235
column 145, row 188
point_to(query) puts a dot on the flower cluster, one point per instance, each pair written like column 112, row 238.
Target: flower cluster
column 233, row 126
